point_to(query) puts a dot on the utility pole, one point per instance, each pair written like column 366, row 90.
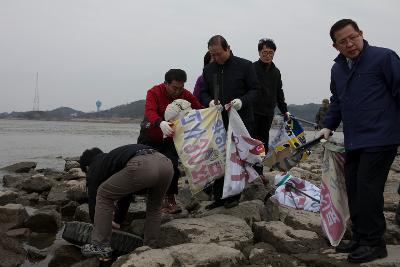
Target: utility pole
column 36, row 99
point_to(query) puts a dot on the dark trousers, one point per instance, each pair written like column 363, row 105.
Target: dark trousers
column 261, row 127
column 218, row 189
column 366, row 174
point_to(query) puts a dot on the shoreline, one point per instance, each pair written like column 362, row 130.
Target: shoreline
column 95, row 120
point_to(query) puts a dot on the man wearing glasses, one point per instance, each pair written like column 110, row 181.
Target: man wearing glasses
column 272, row 94
column 365, row 87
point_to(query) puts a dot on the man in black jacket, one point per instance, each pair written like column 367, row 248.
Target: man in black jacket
column 272, row 94
column 238, row 85
column 115, row 175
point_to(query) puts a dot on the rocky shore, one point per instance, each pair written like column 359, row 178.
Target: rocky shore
column 35, row 204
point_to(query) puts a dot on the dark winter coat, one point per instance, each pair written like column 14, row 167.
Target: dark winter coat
column 366, row 98
column 271, row 89
column 237, row 79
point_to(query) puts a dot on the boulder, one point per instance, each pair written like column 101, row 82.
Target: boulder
column 44, row 220
column 8, row 197
column 28, row 199
column 218, row 228
column 63, row 192
column 82, row 213
column 20, row 232
column 285, row 239
column 21, row 167
column 137, row 227
column 15, row 180
column 254, row 190
column 264, row 254
column 74, row 174
column 12, row 253
column 12, row 216
column 70, row 164
column 69, row 209
column 37, row 183
column 298, row 219
column 65, row 256
column 191, row 254
column 250, row 211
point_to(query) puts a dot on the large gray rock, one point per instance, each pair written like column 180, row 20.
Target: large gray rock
column 298, row 219
column 254, row 190
column 37, row 183
column 219, row 228
column 82, row 213
column 21, row 167
column 65, row 256
column 285, row 239
column 12, row 253
column 15, row 180
column 70, row 164
column 263, row 254
column 74, row 174
column 8, row 197
column 250, row 211
column 12, row 216
column 193, row 255
column 44, row 220
column 63, row 192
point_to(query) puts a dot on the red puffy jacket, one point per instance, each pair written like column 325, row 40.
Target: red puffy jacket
column 157, row 101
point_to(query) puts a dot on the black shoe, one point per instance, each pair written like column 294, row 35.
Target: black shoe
column 231, row 203
column 214, row 205
column 347, row 247
column 367, row 253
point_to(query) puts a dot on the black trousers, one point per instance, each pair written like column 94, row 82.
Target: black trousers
column 262, row 126
column 366, row 174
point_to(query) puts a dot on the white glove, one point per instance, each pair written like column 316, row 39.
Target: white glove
column 166, row 128
column 236, row 103
column 212, row 103
column 325, row 132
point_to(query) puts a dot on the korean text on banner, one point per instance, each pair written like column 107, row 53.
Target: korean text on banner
column 333, row 208
column 200, row 139
column 290, row 135
column 242, row 153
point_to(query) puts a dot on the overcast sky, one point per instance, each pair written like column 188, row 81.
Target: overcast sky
column 115, row 51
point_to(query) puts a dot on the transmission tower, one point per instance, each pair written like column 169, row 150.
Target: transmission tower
column 36, row 99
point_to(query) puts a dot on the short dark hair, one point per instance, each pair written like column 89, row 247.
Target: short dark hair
column 207, row 58
column 87, row 156
column 269, row 43
column 175, row 75
column 218, row 40
column 340, row 25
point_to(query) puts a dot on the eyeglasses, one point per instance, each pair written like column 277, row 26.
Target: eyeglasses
column 351, row 39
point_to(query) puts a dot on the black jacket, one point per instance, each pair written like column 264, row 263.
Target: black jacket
column 271, row 89
column 101, row 168
column 236, row 79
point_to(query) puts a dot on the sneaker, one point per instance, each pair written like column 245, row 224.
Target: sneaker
column 170, row 205
column 103, row 253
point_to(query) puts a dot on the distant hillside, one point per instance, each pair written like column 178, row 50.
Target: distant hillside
column 305, row 111
column 133, row 110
